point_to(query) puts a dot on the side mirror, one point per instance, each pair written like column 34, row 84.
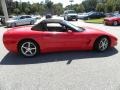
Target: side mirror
column 70, row 31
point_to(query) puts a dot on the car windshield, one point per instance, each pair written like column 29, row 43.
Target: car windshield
column 90, row 13
column 73, row 26
column 72, row 11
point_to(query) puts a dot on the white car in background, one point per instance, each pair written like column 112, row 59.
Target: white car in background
column 20, row 20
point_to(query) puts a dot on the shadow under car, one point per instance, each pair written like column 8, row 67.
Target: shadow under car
column 13, row 59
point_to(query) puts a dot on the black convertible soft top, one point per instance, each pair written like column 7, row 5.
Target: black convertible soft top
column 53, row 21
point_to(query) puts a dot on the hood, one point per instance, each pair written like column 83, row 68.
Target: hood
column 10, row 21
column 111, row 18
column 72, row 14
column 95, row 31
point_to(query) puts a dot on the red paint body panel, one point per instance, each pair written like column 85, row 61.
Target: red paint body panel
column 55, row 41
column 110, row 20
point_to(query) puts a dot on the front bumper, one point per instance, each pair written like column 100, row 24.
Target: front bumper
column 108, row 22
column 72, row 17
column 114, row 43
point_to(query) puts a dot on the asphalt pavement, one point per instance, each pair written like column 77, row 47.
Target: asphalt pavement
column 83, row 70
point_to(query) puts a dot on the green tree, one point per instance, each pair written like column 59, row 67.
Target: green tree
column 79, row 8
column 16, row 11
column 49, row 6
column 1, row 13
column 100, row 7
column 27, row 10
column 109, row 5
column 58, row 8
column 41, row 8
column 35, row 8
column 90, row 5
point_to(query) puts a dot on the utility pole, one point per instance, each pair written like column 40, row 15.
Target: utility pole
column 4, row 8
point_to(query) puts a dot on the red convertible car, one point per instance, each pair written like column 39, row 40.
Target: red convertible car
column 115, row 20
column 52, row 35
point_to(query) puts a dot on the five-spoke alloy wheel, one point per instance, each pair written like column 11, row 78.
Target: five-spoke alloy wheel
column 115, row 23
column 13, row 25
column 102, row 44
column 28, row 48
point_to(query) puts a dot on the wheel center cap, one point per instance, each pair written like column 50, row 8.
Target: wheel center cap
column 28, row 49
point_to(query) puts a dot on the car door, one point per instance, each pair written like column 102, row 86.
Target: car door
column 53, row 39
column 94, row 15
column 77, row 40
column 21, row 20
column 28, row 20
column 63, row 40
column 25, row 20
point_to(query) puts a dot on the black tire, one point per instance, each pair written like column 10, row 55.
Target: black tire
column 64, row 18
column 115, row 23
column 34, row 51
column 98, row 45
column 3, row 21
column 32, row 22
column 13, row 25
column 76, row 19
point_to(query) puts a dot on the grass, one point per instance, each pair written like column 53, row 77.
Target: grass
column 96, row 21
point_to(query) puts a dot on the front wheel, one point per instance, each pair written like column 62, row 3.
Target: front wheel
column 102, row 44
column 76, row 19
column 64, row 18
column 13, row 25
column 32, row 22
column 28, row 48
column 115, row 23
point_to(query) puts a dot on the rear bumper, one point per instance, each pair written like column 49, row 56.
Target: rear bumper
column 10, row 45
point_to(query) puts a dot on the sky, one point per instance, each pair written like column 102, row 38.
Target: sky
column 64, row 2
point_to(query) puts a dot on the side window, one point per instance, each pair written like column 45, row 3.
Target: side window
column 28, row 16
column 22, row 17
column 40, row 27
column 55, row 27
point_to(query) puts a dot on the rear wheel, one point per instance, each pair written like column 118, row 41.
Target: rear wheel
column 32, row 22
column 102, row 44
column 28, row 48
column 64, row 18
column 13, row 25
column 115, row 23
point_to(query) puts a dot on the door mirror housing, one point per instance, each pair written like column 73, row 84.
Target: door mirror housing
column 70, row 31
